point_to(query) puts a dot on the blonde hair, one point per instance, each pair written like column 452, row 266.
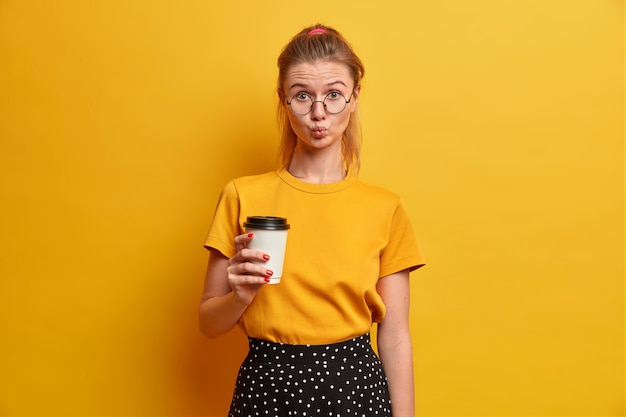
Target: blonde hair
column 312, row 44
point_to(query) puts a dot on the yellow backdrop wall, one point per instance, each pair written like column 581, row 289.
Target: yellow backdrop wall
column 500, row 122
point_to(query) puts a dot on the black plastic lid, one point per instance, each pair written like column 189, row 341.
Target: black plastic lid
column 266, row 222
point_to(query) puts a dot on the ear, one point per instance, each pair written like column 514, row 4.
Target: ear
column 356, row 92
column 355, row 98
column 280, row 95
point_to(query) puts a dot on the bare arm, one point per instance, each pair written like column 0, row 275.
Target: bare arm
column 230, row 286
column 394, row 343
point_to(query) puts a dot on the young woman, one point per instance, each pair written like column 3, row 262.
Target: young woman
column 350, row 249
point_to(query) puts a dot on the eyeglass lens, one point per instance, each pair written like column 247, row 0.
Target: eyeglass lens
column 303, row 103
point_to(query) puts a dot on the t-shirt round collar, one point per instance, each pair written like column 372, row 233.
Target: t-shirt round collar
column 314, row 188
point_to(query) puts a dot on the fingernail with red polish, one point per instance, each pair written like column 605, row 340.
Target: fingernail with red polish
column 250, row 234
column 267, row 279
column 266, row 257
column 269, row 273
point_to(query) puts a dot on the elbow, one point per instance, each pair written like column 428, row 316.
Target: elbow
column 207, row 329
column 205, row 326
column 207, row 332
column 209, row 326
column 392, row 337
column 214, row 317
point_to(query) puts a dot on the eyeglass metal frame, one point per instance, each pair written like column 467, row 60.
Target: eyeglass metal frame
column 320, row 101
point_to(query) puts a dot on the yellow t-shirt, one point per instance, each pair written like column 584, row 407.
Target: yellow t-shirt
column 344, row 236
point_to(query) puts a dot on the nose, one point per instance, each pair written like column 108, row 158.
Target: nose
column 318, row 112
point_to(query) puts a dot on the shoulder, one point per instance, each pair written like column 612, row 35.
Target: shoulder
column 253, row 180
column 234, row 187
column 376, row 192
column 249, row 182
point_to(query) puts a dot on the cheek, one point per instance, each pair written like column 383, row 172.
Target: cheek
column 345, row 120
column 295, row 123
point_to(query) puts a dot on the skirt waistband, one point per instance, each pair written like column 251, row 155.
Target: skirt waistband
column 281, row 352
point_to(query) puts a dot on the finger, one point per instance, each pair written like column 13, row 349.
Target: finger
column 241, row 281
column 241, row 240
column 248, row 255
column 248, row 268
column 254, row 255
column 247, row 282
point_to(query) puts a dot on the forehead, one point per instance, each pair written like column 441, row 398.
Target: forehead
column 317, row 74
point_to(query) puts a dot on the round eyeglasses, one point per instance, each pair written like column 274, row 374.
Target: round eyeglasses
column 334, row 102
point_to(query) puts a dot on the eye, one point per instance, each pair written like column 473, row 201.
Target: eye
column 334, row 95
column 302, row 96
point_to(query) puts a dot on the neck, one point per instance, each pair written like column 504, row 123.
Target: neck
column 316, row 168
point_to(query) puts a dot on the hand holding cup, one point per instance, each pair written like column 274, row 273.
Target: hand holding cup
column 269, row 237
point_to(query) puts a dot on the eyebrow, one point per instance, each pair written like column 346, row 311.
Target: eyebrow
column 301, row 85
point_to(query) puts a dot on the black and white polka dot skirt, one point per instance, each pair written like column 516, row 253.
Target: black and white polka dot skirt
column 339, row 380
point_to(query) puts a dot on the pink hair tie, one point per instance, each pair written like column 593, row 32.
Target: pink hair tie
column 317, row 31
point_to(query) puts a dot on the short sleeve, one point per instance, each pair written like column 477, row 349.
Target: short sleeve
column 225, row 224
column 402, row 250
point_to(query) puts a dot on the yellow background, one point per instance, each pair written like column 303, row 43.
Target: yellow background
column 500, row 121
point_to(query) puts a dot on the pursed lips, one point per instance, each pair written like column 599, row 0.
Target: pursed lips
column 318, row 131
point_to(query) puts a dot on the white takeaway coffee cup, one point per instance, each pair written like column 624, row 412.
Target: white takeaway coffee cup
column 270, row 236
